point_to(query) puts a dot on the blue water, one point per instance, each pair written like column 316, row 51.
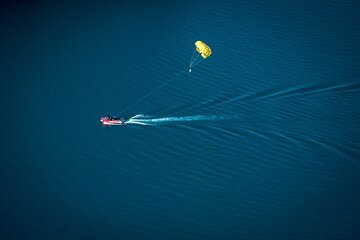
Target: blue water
column 260, row 141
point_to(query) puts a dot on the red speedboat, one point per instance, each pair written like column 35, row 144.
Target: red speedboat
column 112, row 121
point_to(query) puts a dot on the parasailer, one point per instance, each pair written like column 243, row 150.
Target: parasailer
column 203, row 50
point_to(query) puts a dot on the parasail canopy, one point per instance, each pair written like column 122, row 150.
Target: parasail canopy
column 202, row 48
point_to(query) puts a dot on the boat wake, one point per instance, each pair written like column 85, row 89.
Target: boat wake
column 142, row 119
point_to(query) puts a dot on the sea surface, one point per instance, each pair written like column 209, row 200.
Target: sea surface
column 260, row 141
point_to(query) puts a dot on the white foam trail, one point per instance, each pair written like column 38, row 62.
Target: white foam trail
column 135, row 122
column 148, row 120
column 139, row 116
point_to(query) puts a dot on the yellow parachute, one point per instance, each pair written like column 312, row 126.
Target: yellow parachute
column 202, row 48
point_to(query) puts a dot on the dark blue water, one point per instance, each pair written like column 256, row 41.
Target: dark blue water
column 260, row 141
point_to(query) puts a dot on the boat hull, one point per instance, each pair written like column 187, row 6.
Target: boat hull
column 111, row 122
